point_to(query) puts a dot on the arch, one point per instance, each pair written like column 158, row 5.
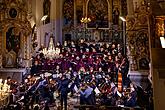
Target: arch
column 98, row 11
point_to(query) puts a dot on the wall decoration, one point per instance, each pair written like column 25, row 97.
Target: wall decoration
column 13, row 12
column 138, row 38
column 68, row 12
column 142, row 44
column 79, row 10
column 124, row 7
column 46, row 10
column 143, row 64
column 97, row 10
column 115, row 16
column 79, row 13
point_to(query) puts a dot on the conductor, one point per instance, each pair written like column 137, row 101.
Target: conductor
column 64, row 91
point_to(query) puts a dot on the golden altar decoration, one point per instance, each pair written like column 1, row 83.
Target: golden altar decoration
column 4, row 93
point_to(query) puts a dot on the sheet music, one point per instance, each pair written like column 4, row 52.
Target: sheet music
column 76, row 89
column 69, row 85
column 54, row 75
column 97, row 91
column 119, row 94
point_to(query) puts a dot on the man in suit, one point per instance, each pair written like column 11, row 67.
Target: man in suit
column 35, row 68
column 64, row 91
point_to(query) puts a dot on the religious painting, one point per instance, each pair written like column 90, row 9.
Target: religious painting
column 68, row 12
column 79, row 13
column 98, row 12
column 79, row 10
column 12, row 40
column 46, row 10
column 142, row 46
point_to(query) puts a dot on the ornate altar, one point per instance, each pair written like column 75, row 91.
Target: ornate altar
column 105, row 25
column 15, row 32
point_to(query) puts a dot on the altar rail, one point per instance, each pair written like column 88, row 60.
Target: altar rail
column 15, row 73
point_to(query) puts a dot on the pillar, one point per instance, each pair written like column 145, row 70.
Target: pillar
column 39, row 14
column 130, row 7
column 110, row 10
column 58, row 21
column 75, row 17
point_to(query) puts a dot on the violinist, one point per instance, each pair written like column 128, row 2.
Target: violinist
column 131, row 97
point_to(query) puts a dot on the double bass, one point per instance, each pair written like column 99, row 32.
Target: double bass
column 120, row 78
column 120, row 81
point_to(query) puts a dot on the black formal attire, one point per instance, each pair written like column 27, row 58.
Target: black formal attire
column 64, row 92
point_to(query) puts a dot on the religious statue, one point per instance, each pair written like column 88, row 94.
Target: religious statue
column 19, row 59
column 46, row 11
column 10, row 59
column 96, row 35
column 116, row 14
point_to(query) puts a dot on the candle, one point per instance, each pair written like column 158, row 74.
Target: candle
column 1, row 84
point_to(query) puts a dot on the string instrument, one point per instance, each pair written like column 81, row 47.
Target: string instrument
column 120, row 77
column 120, row 81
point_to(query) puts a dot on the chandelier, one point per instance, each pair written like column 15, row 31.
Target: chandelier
column 51, row 52
column 4, row 93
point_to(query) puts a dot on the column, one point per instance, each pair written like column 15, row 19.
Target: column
column 130, row 7
column 110, row 10
column 84, row 8
column 58, row 20
column 75, row 16
column 75, row 19
column 39, row 14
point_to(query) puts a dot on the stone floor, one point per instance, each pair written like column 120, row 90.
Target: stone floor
column 71, row 102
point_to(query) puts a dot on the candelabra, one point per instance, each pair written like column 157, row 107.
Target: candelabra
column 85, row 21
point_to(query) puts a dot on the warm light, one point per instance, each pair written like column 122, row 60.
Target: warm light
column 44, row 18
column 4, row 90
column 122, row 18
column 0, row 80
column 162, row 40
column 51, row 52
column 85, row 20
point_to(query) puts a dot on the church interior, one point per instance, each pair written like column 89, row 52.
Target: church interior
column 82, row 54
